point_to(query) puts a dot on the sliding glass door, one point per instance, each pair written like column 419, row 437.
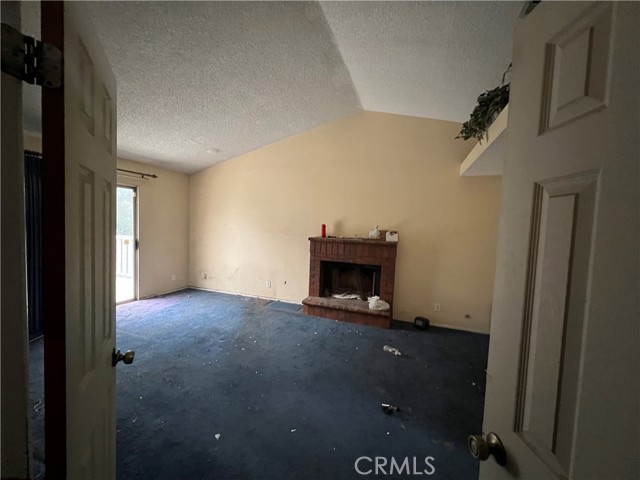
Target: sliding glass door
column 126, row 244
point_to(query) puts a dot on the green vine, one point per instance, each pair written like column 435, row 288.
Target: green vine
column 490, row 104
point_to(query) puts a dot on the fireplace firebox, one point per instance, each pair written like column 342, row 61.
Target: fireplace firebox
column 350, row 267
column 347, row 279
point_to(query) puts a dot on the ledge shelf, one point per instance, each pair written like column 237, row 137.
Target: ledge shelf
column 487, row 158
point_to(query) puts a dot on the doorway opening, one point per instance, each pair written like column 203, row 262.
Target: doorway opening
column 126, row 244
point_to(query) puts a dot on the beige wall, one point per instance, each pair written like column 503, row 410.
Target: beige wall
column 163, row 204
column 250, row 217
column 32, row 142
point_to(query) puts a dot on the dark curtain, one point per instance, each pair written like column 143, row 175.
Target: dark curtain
column 33, row 209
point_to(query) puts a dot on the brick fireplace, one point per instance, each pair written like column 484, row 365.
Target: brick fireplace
column 365, row 266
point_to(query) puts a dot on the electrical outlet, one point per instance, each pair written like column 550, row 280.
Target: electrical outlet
column 437, row 307
column 173, row 277
column 267, row 284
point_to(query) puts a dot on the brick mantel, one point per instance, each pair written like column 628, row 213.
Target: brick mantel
column 356, row 251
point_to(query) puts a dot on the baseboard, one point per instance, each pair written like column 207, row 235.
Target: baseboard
column 439, row 325
column 244, row 295
column 455, row 327
column 164, row 293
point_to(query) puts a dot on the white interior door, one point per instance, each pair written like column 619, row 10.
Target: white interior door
column 79, row 140
column 563, row 379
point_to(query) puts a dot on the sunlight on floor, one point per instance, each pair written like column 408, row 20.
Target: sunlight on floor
column 124, row 288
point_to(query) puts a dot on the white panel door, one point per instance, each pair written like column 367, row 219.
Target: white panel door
column 563, row 374
column 84, row 117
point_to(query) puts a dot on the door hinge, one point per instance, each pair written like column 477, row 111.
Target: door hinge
column 30, row 60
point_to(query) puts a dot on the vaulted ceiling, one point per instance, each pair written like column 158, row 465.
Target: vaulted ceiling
column 202, row 82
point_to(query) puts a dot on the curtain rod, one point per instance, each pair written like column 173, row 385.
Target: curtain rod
column 142, row 175
column 33, row 153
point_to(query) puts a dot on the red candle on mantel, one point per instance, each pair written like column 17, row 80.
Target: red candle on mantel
column 324, row 230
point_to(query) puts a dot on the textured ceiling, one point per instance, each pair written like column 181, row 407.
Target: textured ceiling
column 425, row 59
column 202, row 82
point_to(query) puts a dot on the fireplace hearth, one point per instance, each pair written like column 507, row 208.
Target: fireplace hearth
column 351, row 267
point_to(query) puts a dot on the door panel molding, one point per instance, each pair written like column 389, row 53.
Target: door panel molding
column 107, row 265
column 558, row 271
column 86, row 285
column 578, row 68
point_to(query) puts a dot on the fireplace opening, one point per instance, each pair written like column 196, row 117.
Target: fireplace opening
column 350, row 280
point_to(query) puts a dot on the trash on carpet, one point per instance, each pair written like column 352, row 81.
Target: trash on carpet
column 421, row 323
column 389, row 409
column 392, row 350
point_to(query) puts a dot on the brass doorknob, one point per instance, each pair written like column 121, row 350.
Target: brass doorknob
column 483, row 447
column 127, row 357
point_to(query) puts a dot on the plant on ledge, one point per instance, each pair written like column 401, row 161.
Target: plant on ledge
column 490, row 104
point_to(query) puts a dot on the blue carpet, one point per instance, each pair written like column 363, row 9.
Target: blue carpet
column 285, row 306
column 225, row 387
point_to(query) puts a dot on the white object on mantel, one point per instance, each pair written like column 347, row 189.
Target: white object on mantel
column 392, row 236
column 374, row 232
